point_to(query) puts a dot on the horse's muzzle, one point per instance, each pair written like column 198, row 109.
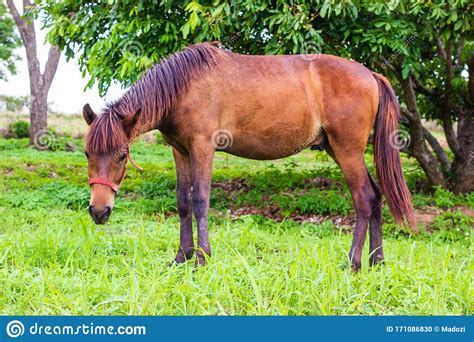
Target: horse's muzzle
column 100, row 216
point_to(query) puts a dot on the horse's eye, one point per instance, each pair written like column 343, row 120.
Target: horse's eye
column 87, row 155
column 123, row 156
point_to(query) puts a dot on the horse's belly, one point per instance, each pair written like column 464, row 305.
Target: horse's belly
column 274, row 146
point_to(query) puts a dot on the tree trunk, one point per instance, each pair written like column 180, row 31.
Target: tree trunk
column 418, row 148
column 463, row 165
column 38, row 117
column 39, row 82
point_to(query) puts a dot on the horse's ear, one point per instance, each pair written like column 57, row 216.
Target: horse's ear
column 88, row 114
column 129, row 121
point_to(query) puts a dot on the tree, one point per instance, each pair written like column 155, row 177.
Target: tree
column 13, row 103
column 9, row 41
column 40, row 82
column 424, row 48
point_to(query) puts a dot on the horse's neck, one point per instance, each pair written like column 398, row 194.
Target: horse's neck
column 152, row 116
column 147, row 122
column 144, row 125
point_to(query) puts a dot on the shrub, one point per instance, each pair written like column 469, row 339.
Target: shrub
column 19, row 129
column 53, row 141
column 453, row 226
column 444, row 198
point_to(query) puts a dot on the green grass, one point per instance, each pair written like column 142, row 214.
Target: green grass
column 54, row 260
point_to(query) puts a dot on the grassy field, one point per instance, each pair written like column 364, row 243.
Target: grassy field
column 279, row 232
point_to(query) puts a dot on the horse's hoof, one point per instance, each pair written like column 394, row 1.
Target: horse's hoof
column 376, row 261
column 200, row 261
column 182, row 257
column 355, row 267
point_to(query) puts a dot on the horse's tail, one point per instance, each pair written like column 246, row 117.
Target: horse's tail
column 387, row 154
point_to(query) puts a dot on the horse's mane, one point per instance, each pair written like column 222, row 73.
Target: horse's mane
column 155, row 93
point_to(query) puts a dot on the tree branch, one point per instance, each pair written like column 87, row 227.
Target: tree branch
column 446, row 106
column 470, row 82
column 440, row 153
column 407, row 115
column 386, row 63
column 418, row 148
column 16, row 16
column 439, row 47
column 413, row 115
column 451, row 137
column 459, row 52
column 26, row 5
column 421, row 88
column 51, row 67
column 28, row 36
column 411, row 112
column 449, row 66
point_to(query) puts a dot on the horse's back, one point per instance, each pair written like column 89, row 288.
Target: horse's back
column 273, row 106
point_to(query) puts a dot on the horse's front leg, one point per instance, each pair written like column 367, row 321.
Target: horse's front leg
column 201, row 153
column 185, row 211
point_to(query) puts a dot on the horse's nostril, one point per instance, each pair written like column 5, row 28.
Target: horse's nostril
column 107, row 212
column 92, row 211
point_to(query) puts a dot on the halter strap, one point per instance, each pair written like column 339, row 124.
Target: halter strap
column 115, row 187
column 103, row 181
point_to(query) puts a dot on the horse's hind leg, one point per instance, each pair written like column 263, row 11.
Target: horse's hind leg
column 376, row 251
column 183, row 175
column 351, row 161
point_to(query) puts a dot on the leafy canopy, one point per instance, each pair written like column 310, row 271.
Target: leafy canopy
column 9, row 41
column 119, row 40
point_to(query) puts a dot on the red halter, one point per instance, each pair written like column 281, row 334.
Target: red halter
column 115, row 187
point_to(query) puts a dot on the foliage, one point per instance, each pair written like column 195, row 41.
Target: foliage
column 14, row 103
column 60, row 142
column 453, row 226
column 122, row 38
column 50, row 140
column 9, row 41
column 443, row 198
column 13, row 144
column 19, row 129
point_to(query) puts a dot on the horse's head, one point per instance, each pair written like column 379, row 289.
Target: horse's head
column 107, row 154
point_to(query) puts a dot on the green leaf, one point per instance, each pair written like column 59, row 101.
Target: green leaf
column 185, row 30
column 325, row 9
column 458, row 25
column 194, row 20
column 218, row 10
column 405, row 71
column 453, row 17
column 193, row 6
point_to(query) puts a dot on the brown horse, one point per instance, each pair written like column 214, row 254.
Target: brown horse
column 204, row 99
